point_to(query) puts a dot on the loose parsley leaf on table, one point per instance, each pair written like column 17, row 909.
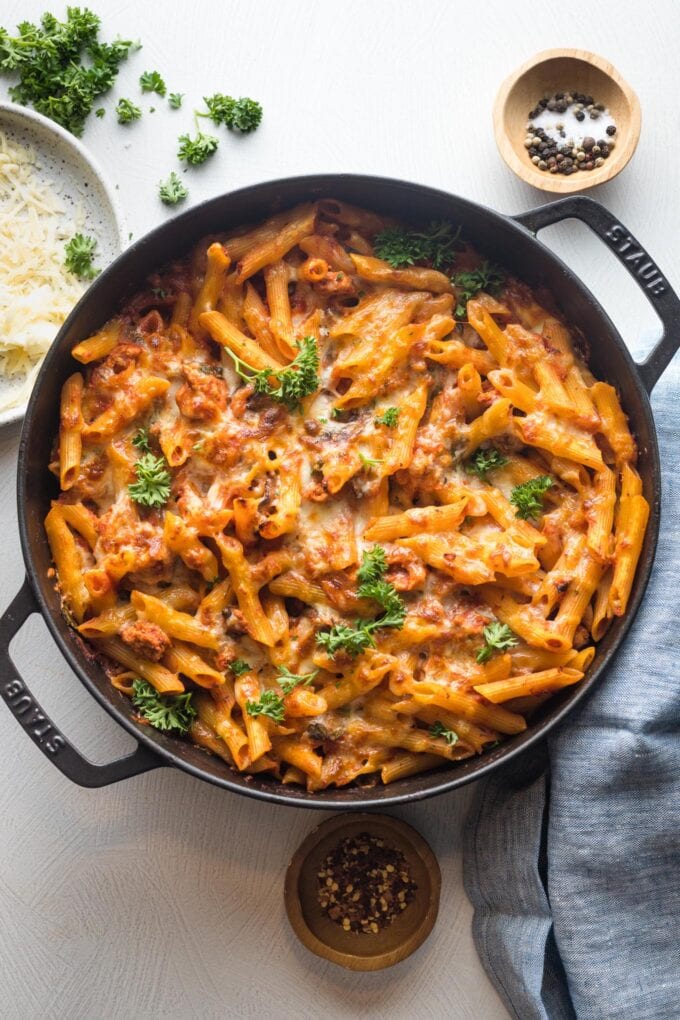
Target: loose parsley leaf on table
column 175, row 100
column 242, row 114
column 151, row 81
column 196, row 150
column 291, row 384
column 152, row 487
column 172, row 190
column 79, row 254
column 527, row 498
column 485, row 277
column 164, row 711
column 269, row 704
column 497, row 637
column 62, row 66
column 127, row 111
column 437, row 245
column 484, row 461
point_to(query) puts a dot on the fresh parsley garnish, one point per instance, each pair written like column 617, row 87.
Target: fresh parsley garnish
column 497, row 637
column 269, row 704
column 527, row 498
column 484, row 461
column 242, row 114
column 389, row 417
column 172, row 190
column 175, row 100
column 196, row 150
column 437, row 245
column 292, row 383
column 486, row 277
column 164, row 711
column 99, row 112
column 372, row 585
column 141, row 440
column 152, row 487
column 239, row 666
column 151, row 81
column 288, row 681
column 127, row 111
column 369, row 462
column 79, row 254
column 62, row 66
column 438, row 729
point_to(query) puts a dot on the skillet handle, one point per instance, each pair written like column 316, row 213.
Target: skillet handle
column 40, row 728
column 632, row 257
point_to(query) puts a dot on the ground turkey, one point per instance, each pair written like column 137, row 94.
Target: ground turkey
column 146, row 639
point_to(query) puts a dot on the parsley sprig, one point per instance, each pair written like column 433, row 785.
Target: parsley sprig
column 497, row 637
column 242, row 114
column 172, row 190
column 239, row 666
column 175, row 100
column 152, row 487
column 141, row 440
column 438, row 729
column 62, row 66
column 436, row 246
column 164, row 711
column 127, row 111
column 486, row 277
column 79, row 254
column 372, row 585
column 389, row 417
column 151, row 81
column 484, row 461
column 527, row 498
column 292, row 383
column 196, row 150
column 288, row 681
column 269, row 704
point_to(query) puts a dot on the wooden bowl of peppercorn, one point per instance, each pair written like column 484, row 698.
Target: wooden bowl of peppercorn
column 550, row 102
column 362, row 891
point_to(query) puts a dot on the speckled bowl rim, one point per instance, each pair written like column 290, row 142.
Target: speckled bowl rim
column 65, row 140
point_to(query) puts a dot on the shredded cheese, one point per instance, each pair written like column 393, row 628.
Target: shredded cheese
column 36, row 291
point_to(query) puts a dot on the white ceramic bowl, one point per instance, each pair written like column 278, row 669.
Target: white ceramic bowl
column 67, row 164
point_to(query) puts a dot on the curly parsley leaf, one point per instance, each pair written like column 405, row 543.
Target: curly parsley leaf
column 389, row 417
column 343, row 638
column 172, row 190
column 291, row 384
column 484, row 461
column 486, row 277
column 369, row 462
column 527, row 498
column 497, row 637
column 79, row 254
column 175, row 100
column 141, row 440
column 288, row 681
column 152, row 487
column 164, row 711
column 196, row 150
column 239, row 666
column 151, row 81
column 269, row 704
column 373, row 566
column 62, row 66
column 438, row 729
column 242, row 114
column 127, row 111
column 436, row 246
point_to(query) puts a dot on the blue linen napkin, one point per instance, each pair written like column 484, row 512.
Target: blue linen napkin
column 575, row 879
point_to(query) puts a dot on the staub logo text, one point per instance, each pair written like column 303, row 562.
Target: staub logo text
column 31, row 718
column 637, row 258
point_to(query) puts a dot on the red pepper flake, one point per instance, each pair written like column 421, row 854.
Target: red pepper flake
column 364, row 884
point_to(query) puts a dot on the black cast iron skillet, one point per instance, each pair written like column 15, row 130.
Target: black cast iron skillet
column 509, row 240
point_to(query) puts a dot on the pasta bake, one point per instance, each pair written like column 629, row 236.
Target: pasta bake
column 341, row 500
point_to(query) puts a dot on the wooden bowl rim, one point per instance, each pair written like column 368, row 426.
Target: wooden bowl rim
column 580, row 181
column 356, row 961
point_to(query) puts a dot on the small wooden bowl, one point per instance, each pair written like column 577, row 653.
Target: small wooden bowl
column 553, row 71
column 359, row 950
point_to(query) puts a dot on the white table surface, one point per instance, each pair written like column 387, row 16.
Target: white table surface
column 162, row 896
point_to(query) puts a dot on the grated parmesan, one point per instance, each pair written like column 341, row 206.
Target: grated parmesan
column 36, row 291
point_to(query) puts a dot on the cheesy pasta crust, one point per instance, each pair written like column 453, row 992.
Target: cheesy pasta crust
column 368, row 564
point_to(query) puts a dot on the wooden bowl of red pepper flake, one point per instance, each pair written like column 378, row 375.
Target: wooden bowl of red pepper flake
column 363, row 891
